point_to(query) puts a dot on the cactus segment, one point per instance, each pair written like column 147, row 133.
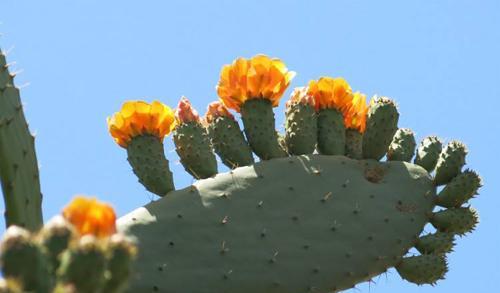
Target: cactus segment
column 435, row 243
column 259, row 124
column 354, row 144
column 54, row 238
column 259, row 230
column 450, row 162
column 301, row 129
column 229, row 143
column 84, row 266
column 18, row 165
column 457, row 220
column 194, row 149
column 147, row 158
column 331, row 132
column 121, row 254
column 428, row 153
column 22, row 259
column 459, row 190
column 381, row 125
column 402, row 147
column 423, row 269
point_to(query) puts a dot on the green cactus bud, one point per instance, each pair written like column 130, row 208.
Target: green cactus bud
column 381, row 125
column 450, row 162
column 331, row 132
column 259, row 124
column 460, row 189
column 54, row 238
column 301, row 126
column 423, row 269
column 435, row 243
column 10, row 286
column 22, row 259
column 428, row 153
column 226, row 137
column 147, row 158
column 121, row 253
column 354, row 144
column 402, row 147
column 84, row 266
column 457, row 220
column 18, row 167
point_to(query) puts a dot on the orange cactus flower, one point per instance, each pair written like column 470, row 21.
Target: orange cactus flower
column 90, row 216
column 137, row 118
column 355, row 115
column 185, row 112
column 333, row 93
column 259, row 77
column 216, row 109
column 300, row 95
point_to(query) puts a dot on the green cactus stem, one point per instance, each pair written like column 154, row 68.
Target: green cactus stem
column 23, row 260
column 428, row 153
column 381, row 125
column 259, row 125
column 459, row 190
column 331, row 132
column 121, row 255
column 54, row 239
column 147, row 158
column 84, row 266
column 229, row 143
column 354, row 144
column 457, row 220
column 435, row 243
column 18, row 164
column 271, row 226
column 301, row 128
column 423, row 269
column 450, row 162
column 402, row 147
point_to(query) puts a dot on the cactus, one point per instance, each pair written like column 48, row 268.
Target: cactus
column 320, row 212
column 18, row 164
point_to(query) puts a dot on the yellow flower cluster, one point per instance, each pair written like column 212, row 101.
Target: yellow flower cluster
column 91, row 217
column 137, row 118
column 355, row 115
column 259, row 77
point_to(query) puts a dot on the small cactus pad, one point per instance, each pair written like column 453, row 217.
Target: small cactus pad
column 331, row 132
column 435, row 243
column 402, row 147
column 147, row 158
column 381, row 125
column 456, row 221
column 423, row 269
column 301, row 129
column 354, row 144
column 326, row 224
column 450, row 162
column 258, row 120
column 428, row 153
column 459, row 190
column 194, row 149
column 229, row 143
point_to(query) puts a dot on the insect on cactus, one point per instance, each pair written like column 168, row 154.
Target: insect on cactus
column 321, row 211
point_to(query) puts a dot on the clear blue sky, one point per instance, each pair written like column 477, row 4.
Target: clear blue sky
column 82, row 59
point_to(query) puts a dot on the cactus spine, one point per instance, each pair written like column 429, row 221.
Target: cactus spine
column 18, row 164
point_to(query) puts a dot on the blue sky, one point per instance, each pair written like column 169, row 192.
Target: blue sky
column 81, row 59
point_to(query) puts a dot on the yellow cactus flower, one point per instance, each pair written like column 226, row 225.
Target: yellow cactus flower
column 259, row 77
column 332, row 93
column 216, row 109
column 185, row 112
column 91, row 217
column 300, row 95
column 355, row 115
column 139, row 117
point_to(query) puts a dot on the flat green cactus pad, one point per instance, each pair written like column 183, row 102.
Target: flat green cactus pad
column 312, row 222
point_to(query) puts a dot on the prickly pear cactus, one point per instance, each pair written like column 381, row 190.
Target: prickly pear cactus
column 319, row 213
